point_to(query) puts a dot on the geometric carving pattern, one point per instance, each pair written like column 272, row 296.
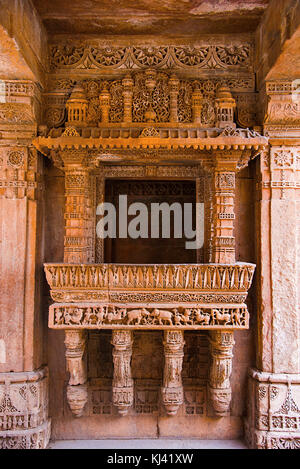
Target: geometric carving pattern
column 24, row 420
column 199, row 277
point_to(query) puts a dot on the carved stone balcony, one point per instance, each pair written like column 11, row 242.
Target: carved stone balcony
column 117, row 296
column 173, row 298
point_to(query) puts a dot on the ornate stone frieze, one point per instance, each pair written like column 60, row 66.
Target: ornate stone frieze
column 93, row 56
column 147, row 297
column 139, row 316
column 159, row 171
column 200, row 277
column 24, row 420
column 172, row 390
column 140, row 97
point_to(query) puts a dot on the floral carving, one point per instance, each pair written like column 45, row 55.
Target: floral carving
column 55, row 116
column 191, row 56
column 108, row 56
column 233, row 55
column 146, row 99
column 150, row 56
column 15, row 158
column 285, row 443
column 284, row 158
column 182, row 56
column 66, row 55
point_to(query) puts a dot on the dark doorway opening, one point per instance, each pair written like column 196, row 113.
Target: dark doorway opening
column 149, row 250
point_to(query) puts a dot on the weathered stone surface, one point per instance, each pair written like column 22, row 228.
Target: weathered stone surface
column 151, row 17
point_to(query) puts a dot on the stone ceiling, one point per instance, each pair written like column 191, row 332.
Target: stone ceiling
column 150, row 17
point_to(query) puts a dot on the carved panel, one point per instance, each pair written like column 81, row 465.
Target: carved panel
column 200, row 277
column 156, row 103
column 24, row 410
column 87, row 316
column 88, row 56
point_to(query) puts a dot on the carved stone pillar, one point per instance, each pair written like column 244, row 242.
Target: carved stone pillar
column 75, row 341
column 104, row 100
column 122, row 382
column 199, row 200
column 127, row 83
column 221, row 167
column 221, row 345
column 24, row 419
column 77, row 250
column 78, row 207
column 174, row 91
column 208, row 217
column 223, row 241
column 273, row 417
column 100, row 197
column 172, row 390
column 197, row 106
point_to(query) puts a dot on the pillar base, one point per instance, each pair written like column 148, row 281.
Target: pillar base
column 122, row 399
column 273, row 420
column 24, row 422
column 35, row 438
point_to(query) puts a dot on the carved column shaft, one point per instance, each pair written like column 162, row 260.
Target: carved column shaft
column 75, row 342
column 127, row 83
column 199, row 199
column 104, row 100
column 223, row 241
column 75, row 346
column 122, row 381
column 208, row 217
column 221, row 346
column 77, row 250
column 100, row 189
column 174, row 91
column 172, row 390
column 78, row 208
column 197, row 105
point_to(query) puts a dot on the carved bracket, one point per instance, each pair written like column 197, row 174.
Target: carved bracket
column 221, row 345
column 75, row 342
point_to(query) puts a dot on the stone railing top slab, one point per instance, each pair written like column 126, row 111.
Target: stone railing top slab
column 203, row 277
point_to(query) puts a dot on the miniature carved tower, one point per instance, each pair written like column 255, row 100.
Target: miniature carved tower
column 77, row 106
column 225, row 105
